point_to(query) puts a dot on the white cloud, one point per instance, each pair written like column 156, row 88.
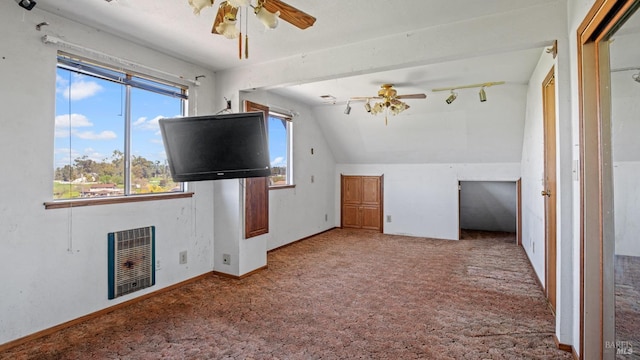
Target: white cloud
column 61, row 83
column 90, row 135
column 140, row 121
column 76, row 120
column 80, row 88
column 278, row 161
column 144, row 124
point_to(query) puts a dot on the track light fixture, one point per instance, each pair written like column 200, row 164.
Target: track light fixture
column 452, row 97
column 347, row 110
column 482, row 94
column 26, row 4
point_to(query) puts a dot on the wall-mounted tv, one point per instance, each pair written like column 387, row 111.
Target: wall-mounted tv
column 213, row 147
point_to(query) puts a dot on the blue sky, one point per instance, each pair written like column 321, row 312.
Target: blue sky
column 277, row 142
column 91, row 110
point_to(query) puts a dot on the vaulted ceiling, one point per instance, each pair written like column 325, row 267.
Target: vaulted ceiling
column 430, row 131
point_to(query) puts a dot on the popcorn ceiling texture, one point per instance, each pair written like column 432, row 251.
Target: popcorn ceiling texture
column 343, row 294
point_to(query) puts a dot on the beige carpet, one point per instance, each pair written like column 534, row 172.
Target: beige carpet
column 344, row 294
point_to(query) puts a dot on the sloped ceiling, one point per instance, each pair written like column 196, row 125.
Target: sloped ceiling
column 430, row 131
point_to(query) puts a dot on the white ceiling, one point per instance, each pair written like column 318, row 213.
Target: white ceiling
column 450, row 134
column 171, row 26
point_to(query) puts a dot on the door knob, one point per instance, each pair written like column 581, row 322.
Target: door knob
column 545, row 193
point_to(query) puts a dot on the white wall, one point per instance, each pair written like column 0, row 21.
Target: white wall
column 294, row 213
column 308, row 208
column 54, row 262
column 422, row 199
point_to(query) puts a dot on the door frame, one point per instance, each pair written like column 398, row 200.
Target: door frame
column 597, row 306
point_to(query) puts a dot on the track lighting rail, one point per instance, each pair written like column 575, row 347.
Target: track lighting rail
column 487, row 84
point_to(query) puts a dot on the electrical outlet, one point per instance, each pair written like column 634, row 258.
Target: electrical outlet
column 158, row 267
column 226, row 259
column 312, row 179
column 533, row 246
column 326, row 217
column 183, row 257
column 388, row 218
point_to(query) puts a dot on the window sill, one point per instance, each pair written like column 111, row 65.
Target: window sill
column 280, row 187
column 62, row 204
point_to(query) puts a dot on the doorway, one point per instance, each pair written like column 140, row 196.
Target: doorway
column 601, row 175
column 488, row 206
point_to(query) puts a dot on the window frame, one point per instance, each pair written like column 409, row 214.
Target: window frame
column 128, row 79
column 289, row 151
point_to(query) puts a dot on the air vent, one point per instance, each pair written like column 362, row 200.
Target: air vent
column 328, row 99
column 131, row 259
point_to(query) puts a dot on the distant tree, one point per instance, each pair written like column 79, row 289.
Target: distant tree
column 65, row 173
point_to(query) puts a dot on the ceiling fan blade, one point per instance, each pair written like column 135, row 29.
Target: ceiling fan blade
column 290, row 14
column 412, row 96
column 364, row 97
column 223, row 9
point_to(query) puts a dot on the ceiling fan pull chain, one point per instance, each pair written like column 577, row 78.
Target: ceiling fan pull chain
column 240, row 36
column 246, row 34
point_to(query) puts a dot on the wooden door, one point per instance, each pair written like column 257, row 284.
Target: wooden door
column 371, row 200
column 549, row 191
column 256, row 211
column 362, row 202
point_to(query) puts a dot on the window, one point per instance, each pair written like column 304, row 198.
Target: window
column 280, row 140
column 107, row 138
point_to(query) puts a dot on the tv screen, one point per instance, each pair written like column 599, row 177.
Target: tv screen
column 213, row 147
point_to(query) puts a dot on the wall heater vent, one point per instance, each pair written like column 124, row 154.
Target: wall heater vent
column 131, row 259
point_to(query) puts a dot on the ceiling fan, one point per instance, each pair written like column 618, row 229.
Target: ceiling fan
column 267, row 11
column 390, row 101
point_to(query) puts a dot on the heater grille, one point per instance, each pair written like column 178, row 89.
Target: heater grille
column 131, row 259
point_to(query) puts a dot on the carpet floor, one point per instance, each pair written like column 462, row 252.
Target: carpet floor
column 343, row 294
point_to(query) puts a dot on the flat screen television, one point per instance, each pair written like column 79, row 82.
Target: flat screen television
column 213, row 147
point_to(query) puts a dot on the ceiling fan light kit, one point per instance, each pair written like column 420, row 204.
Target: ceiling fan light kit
column 267, row 11
column 267, row 18
column 389, row 101
column 198, row 5
column 227, row 27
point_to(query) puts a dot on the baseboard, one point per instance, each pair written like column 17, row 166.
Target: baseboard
column 574, row 353
column 240, row 277
column 561, row 346
column 51, row 330
column 534, row 272
column 304, row 238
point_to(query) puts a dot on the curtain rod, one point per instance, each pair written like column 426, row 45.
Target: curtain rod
column 48, row 39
